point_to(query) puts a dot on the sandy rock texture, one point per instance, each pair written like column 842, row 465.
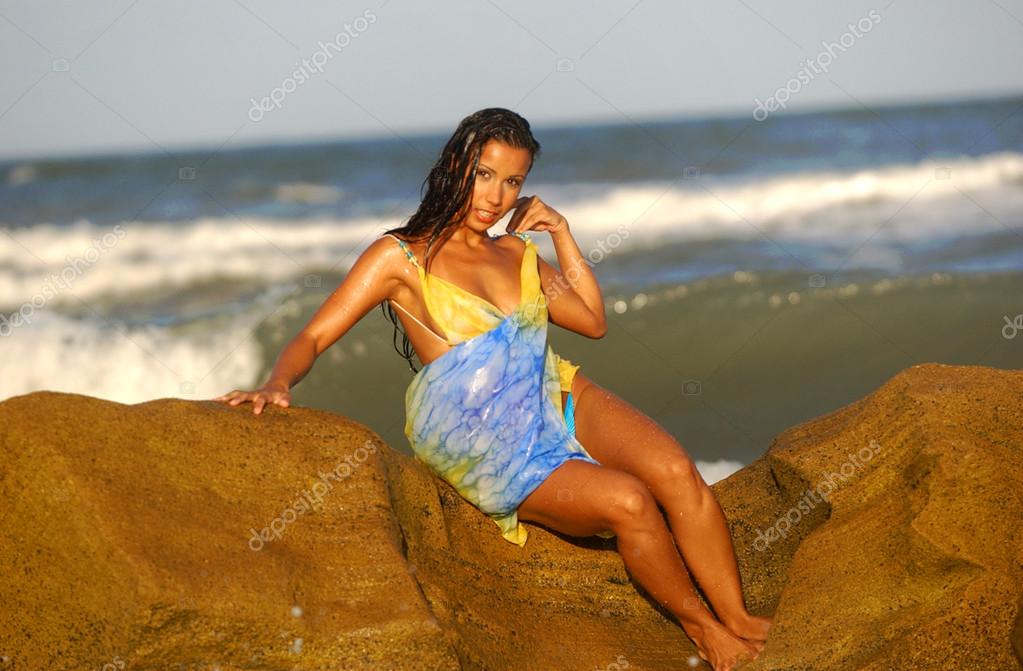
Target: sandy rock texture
column 180, row 534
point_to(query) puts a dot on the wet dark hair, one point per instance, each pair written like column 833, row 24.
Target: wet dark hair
column 449, row 188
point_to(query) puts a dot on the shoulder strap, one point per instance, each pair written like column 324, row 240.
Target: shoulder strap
column 412, row 258
column 523, row 236
column 432, row 332
column 405, row 248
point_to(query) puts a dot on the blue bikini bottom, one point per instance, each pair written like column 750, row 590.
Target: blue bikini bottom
column 570, row 415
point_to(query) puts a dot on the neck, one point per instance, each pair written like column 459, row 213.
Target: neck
column 471, row 239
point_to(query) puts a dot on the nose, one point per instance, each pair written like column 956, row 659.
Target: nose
column 493, row 194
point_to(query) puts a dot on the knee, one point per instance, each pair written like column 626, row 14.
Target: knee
column 678, row 475
column 632, row 503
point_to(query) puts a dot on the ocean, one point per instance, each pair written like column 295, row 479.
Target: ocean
column 757, row 274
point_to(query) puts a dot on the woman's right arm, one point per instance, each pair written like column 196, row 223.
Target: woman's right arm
column 371, row 280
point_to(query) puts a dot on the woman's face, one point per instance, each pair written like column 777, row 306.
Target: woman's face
column 502, row 170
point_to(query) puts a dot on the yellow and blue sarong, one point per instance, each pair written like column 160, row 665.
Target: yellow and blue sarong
column 486, row 415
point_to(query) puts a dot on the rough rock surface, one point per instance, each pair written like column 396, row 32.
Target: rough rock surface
column 884, row 535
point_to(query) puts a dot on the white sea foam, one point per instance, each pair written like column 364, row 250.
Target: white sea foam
column 922, row 200
column 713, row 471
column 128, row 365
column 785, row 204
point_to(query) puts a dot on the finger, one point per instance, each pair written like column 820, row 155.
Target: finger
column 527, row 222
column 520, row 212
column 257, row 406
column 516, row 220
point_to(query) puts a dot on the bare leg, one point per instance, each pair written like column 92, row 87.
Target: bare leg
column 620, row 436
column 582, row 499
column 701, row 532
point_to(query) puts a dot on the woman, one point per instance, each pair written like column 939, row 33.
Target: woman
column 485, row 411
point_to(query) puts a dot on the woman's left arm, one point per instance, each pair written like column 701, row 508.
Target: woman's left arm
column 573, row 295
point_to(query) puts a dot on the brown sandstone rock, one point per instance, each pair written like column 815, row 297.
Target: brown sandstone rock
column 915, row 562
column 125, row 540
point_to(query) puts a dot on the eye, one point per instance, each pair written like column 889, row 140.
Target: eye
column 514, row 182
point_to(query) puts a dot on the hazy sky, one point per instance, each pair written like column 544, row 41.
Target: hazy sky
column 86, row 77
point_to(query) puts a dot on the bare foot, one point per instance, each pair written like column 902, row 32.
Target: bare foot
column 757, row 645
column 723, row 649
column 751, row 627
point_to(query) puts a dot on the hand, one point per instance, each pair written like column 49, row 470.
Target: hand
column 532, row 214
column 276, row 394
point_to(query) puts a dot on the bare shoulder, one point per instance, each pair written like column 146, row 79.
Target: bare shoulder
column 387, row 261
column 384, row 249
column 417, row 247
column 513, row 241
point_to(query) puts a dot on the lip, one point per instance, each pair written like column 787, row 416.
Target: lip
column 480, row 215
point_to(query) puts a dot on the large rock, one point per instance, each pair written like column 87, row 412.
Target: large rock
column 915, row 560
column 130, row 537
